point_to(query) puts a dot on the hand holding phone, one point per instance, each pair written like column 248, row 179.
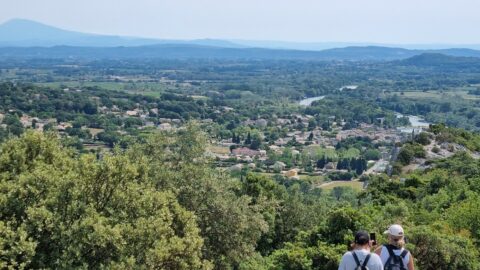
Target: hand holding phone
column 373, row 239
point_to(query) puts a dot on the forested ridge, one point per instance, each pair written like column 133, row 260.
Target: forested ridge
column 160, row 204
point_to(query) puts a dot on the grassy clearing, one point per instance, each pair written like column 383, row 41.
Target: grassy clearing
column 199, row 97
column 460, row 93
column 315, row 180
column 356, row 185
column 219, row 150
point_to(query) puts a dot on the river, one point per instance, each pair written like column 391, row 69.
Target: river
column 308, row 101
column 417, row 124
column 415, row 121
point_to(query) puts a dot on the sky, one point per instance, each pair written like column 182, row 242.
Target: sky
column 375, row 21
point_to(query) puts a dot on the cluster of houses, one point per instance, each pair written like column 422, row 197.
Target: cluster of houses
column 39, row 123
column 246, row 157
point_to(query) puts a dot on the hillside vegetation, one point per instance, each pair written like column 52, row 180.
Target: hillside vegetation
column 160, row 205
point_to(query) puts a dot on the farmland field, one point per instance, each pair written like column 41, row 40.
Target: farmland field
column 353, row 184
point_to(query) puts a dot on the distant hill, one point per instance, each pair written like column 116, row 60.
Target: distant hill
column 185, row 51
column 441, row 60
column 27, row 33
column 163, row 51
column 28, row 39
column 369, row 53
column 319, row 46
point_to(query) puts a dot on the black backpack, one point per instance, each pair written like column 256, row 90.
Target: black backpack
column 395, row 262
column 357, row 261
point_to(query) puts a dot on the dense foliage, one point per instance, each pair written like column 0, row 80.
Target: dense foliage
column 159, row 204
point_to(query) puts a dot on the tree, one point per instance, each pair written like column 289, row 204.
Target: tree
column 248, row 140
column 326, row 125
column 310, row 137
column 256, row 143
column 372, row 154
column 360, row 166
column 341, row 224
column 65, row 211
column 109, row 137
column 292, row 257
column 443, row 251
column 312, row 124
column 321, row 162
column 423, row 138
column 14, row 126
column 229, row 224
column 405, row 156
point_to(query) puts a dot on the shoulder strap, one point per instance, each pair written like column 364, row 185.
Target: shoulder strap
column 396, row 259
column 390, row 251
column 356, row 258
column 402, row 256
column 393, row 258
column 366, row 261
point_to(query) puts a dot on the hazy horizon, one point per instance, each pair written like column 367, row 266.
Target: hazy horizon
column 343, row 21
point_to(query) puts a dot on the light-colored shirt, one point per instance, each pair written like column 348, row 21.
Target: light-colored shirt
column 384, row 255
column 348, row 262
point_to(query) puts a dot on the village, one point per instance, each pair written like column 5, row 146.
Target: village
column 305, row 148
column 299, row 152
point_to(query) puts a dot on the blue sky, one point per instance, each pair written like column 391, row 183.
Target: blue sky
column 379, row 21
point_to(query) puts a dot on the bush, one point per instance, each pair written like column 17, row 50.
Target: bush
column 341, row 176
column 372, row 154
column 423, row 138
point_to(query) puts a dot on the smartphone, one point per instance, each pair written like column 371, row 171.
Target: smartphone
column 373, row 238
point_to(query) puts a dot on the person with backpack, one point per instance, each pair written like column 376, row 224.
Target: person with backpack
column 393, row 255
column 360, row 258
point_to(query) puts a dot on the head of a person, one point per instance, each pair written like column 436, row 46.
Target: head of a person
column 362, row 239
column 396, row 235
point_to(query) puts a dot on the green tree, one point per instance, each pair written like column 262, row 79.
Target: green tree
column 248, row 140
column 230, row 224
column 372, row 154
column 405, row 156
column 442, row 250
column 423, row 138
column 80, row 212
column 14, row 126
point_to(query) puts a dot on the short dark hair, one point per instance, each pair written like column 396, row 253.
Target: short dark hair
column 362, row 238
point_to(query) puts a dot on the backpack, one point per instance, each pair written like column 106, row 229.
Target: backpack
column 395, row 262
column 357, row 261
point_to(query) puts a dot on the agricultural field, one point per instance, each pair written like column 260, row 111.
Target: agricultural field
column 356, row 185
column 434, row 94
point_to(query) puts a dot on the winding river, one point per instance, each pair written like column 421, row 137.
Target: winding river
column 308, row 101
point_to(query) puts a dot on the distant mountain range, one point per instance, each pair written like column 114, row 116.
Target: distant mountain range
column 182, row 51
column 29, row 39
column 27, row 33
